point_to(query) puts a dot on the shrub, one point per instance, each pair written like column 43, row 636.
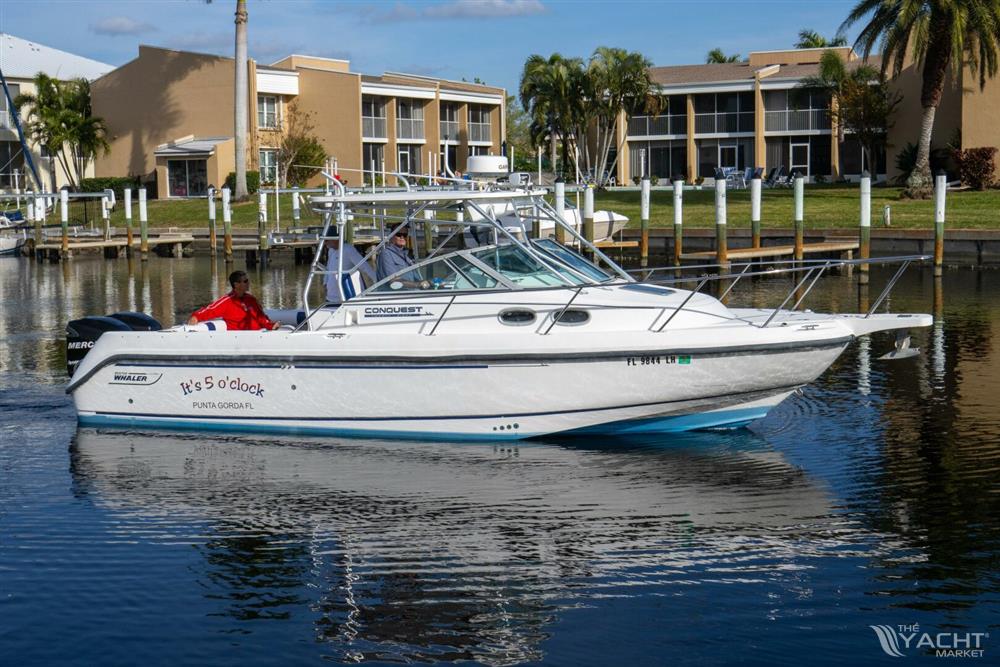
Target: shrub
column 819, row 179
column 976, row 166
column 906, row 160
column 654, row 179
column 253, row 181
column 636, row 179
column 116, row 183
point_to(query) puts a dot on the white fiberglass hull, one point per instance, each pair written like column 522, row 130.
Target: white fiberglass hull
column 467, row 398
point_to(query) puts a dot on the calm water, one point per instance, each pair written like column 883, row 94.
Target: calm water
column 870, row 498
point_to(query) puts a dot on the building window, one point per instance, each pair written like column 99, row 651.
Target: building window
column 409, row 119
column 267, row 112
column 797, row 110
column 187, row 178
column 478, row 150
column 449, row 121
column 268, row 165
column 5, row 120
column 372, row 157
column 479, row 123
column 373, row 117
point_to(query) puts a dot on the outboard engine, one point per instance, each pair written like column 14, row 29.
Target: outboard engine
column 81, row 334
column 137, row 321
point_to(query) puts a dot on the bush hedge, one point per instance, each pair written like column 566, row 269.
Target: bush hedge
column 976, row 166
column 116, row 183
column 253, row 181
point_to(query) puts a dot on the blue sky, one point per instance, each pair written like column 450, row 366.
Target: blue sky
column 446, row 38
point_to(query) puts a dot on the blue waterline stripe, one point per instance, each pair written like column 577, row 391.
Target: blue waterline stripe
column 762, row 393
column 132, row 422
column 307, row 367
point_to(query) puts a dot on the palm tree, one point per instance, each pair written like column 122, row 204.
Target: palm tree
column 550, row 94
column 860, row 101
column 940, row 35
column 716, row 56
column 810, row 39
column 620, row 83
column 59, row 116
column 242, row 93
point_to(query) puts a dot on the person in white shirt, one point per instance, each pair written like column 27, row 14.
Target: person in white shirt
column 361, row 275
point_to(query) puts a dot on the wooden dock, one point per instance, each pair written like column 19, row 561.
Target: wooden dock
column 844, row 248
column 52, row 248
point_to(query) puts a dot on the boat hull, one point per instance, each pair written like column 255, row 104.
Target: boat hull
column 470, row 399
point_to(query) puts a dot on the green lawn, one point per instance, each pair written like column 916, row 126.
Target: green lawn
column 826, row 206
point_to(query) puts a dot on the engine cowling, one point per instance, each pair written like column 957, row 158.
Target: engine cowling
column 82, row 334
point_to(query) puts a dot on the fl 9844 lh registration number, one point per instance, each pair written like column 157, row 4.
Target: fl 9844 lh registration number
column 654, row 359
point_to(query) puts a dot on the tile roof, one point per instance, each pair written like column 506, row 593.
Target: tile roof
column 22, row 59
column 674, row 75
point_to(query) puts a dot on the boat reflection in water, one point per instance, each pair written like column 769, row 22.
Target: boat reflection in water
column 407, row 551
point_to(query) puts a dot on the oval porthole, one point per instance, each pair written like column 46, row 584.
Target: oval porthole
column 571, row 317
column 517, row 317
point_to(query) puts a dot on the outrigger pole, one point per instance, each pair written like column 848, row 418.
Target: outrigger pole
column 20, row 132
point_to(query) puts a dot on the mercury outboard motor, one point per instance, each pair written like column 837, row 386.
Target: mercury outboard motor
column 81, row 334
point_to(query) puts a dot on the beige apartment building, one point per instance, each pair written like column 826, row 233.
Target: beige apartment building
column 170, row 118
column 755, row 113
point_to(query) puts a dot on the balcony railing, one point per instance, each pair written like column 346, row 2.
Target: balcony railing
column 801, row 120
column 373, row 128
column 645, row 126
column 409, row 128
column 480, row 132
column 723, row 123
column 449, row 130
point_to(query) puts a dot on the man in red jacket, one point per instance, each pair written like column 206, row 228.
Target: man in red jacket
column 239, row 308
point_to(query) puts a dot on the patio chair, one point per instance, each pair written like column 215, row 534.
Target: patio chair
column 772, row 178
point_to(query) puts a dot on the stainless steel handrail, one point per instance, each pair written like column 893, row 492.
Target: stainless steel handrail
column 679, row 308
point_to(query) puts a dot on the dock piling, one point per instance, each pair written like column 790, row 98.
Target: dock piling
column 560, row 210
column 678, row 220
column 143, row 226
column 799, row 217
column 212, row 240
column 128, row 221
column 588, row 215
column 721, row 248
column 227, row 225
column 865, row 228
column 261, row 229
column 38, row 210
column 64, row 218
column 296, row 213
column 940, row 191
column 755, row 190
column 644, row 222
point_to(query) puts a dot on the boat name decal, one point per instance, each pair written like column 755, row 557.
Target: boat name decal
column 218, row 382
column 653, row 359
column 395, row 311
column 124, row 377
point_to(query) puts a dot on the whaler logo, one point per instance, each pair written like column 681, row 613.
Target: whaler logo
column 897, row 641
column 396, row 311
column 122, row 377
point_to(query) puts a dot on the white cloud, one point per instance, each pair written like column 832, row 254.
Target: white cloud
column 115, row 26
column 462, row 9
column 453, row 9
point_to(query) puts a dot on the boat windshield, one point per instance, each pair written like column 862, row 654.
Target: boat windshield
column 519, row 267
column 505, row 266
column 572, row 259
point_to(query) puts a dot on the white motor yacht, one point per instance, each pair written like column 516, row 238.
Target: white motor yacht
column 514, row 339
